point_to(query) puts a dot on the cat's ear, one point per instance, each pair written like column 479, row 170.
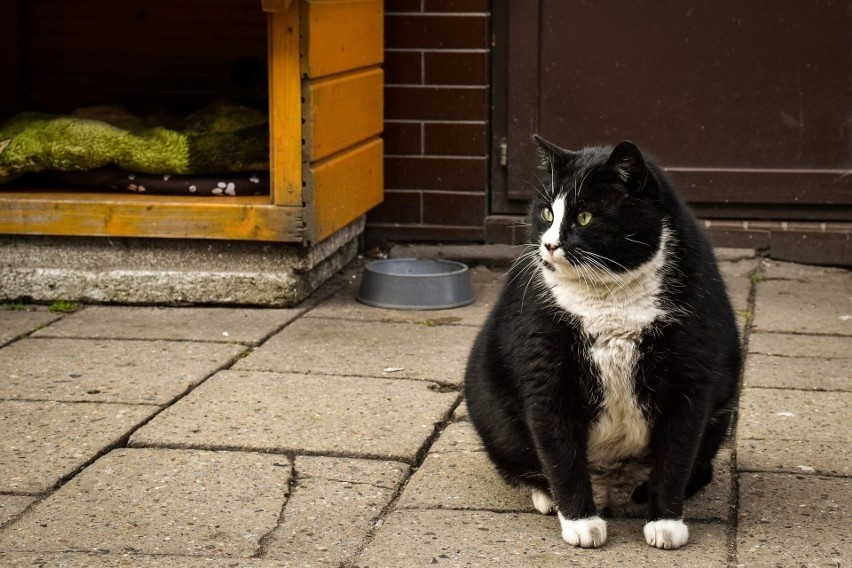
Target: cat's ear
column 627, row 163
column 552, row 156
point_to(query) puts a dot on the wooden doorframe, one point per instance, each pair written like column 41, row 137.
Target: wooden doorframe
column 508, row 21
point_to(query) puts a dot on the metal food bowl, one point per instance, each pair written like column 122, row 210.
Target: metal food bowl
column 412, row 284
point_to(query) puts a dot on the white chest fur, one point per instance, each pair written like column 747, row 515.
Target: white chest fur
column 614, row 313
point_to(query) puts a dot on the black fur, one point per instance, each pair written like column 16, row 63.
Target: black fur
column 531, row 388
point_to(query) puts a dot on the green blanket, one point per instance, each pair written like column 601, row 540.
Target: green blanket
column 223, row 137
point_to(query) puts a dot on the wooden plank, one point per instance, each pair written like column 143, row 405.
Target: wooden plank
column 345, row 187
column 276, row 5
column 342, row 35
column 106, row 215
column 343, row 110
column 285, row 108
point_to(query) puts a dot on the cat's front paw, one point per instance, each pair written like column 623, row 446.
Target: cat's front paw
column 666, row 533
column 542, row 501
column 586, row 533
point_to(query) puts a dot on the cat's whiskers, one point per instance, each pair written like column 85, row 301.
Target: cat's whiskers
column 596, row 269
column 533, row 276
column 528, row 255
column 578, row 190
column 601, row 271
column 627, row 237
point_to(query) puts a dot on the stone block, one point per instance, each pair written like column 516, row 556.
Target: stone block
column 15, row 323
column 730, row 254
column 794, row 431
column 44, row 442
column 790, row 520
column 468, row 480
column 737, row 276
column 823, row 306
column 462, row 480
column 484, row 538
column 797, row 345
column 333, row 506
column 171, row 271
column 141, row 372
column 368, row 349
column 160, row 502
column 249, row 326
column 351, row 416
column 795, row 456
column 458, row 437
column 13, row 505
column 804, row 373
column 384, row 474
column 794, row 415
column 780, row 270
column 101, row 560
column 461, row 412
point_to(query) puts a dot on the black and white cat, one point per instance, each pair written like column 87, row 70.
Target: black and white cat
column 606, row 374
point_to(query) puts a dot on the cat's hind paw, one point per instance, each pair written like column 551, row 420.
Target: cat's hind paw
column 585, row 533
column 666, row 533
column 542, row 501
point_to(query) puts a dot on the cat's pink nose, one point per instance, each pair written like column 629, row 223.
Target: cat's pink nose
column 551, row 248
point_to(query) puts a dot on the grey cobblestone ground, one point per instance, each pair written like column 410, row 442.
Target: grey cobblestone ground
column 334, row 434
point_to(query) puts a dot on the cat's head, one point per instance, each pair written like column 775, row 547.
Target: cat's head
column 598, row 210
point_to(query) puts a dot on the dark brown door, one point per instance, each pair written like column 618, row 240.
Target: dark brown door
column 748, row 103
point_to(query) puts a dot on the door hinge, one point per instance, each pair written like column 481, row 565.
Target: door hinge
column 504, row 153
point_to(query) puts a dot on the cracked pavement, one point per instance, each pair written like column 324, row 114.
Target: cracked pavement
column 335, row 434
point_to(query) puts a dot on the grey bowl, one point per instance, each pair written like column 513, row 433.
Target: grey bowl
column 412, row 284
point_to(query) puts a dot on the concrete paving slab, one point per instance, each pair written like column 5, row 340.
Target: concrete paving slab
column 242, row 325
column 333, row 506
column 43, row 442
column 350, row 416
column 484, row 538
column 141, row 372
column 468, row 480
column 737, row 276
column 789, row 520
column 370, row 349
column 794, row 345
column 13, row 505
column 381, row 473
column 458, row 437
column 795, row 456
column 485, row 283
column 15, row 323
column 731, row 254
column 788, row 306
column 805, row 373
column 777, row 269
column 781, row 414
column 461, row 412
column 101, row 560
column 160, row 502
column 462, row 480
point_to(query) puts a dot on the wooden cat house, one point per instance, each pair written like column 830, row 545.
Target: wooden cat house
column 321, row 60
column 324, row 99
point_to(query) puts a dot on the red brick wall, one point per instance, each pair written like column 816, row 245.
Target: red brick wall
column 436, row 121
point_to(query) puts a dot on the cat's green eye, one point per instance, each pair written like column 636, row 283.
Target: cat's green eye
column 547, row 214
column 584, row 218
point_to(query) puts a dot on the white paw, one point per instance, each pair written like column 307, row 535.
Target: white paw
column 542, row 502
column 666, row 533
column 587, row 533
